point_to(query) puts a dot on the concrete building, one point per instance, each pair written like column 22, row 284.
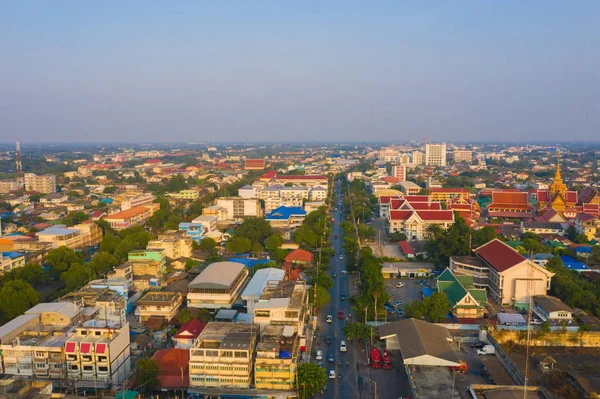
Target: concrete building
column 409, row 188
column 551, row 308
column 185, row 195
column 258, row 283
column 175, row 244
column 508, row 277
column 100, row 302
column 194, row 230
column 435, row 154
column 277, row 355
column 417, row 158
column 248, row 191
column 217, row 212
column 11, row 260
column 98, row 354
column 54, row 199
column 223, row 356
column 45, row 184
column 134, row 216
column 128, row 202
column 282, row 303
column 286, row 217
column 79, row 236
column 462, row 156
column 149, row 255
column 7, row 186
column 239, row 208
column 158, row 304
column 218, row 286
column 399, row 172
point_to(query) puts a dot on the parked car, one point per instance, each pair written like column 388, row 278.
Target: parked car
column 398, row 303
column 478, row 345
column 319, row 355
column 400, row 284
column 321, row 365
column 341, row 257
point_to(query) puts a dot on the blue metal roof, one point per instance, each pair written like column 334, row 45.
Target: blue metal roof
column 249, row 262
column 59, row 230
column 285, row 212
column 427, row 292
column 584, row 250
column 12, row 254
column 571, row 264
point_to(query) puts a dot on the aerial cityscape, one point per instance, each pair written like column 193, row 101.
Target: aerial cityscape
column 277, row 201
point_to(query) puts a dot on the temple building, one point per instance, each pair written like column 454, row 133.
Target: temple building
column 558, row 199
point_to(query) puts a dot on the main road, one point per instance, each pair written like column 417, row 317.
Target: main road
column 345, row 385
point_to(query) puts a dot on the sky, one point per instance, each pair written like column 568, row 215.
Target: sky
column 272, row 71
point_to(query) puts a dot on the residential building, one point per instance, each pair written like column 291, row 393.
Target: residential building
column 239, row 208
column 84, row 171
column 282, row 303
column 45, row 184
column 449, row 194
column 99, row 301
column 175, row 244
column 300, row 256
column 417, row 158
column 462, row 156
column 254, row 164
column 140, row 273
column 435, row 154
column 79, row 236
column 305, row 180
column 399, row 172
column 299, row 192
column 54, row 199
column 129, row 202
column 509, row 278
column 248, row 191
column 256, row 286
column 587, row 224
column 223, row 356
column 276, row 202
column 318, row 194
column 6, row 186
column 98, row 354
column 134, row 216
column 388, row 154
column 185, row 195
column 188, row 333
column 158, row 304
column 217, row 212
column 11, row 260
column 277, row 355
column 218, row 286
column 286, row 217
column 550, row 308
column 465, row 300
column 194, row 230
column 544, row 228
column 149, row 255
column 312, row 206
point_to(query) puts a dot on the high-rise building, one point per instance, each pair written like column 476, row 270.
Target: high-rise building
column 463, row 156
column 417, row 158
column 435, row 154
column 45, row 184
column 399, row 171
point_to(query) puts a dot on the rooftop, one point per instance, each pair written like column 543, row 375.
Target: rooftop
column 219, row 275
column 225, row 335
column 498, row 255
column 551, row 303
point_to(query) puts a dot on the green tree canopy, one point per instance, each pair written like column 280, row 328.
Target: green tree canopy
column 239, row 245
column 145, row 374
column 323, row 297
column 208, row 244
column 256, row 229
column 60, row 259
column 273, row 242
column 311, row 380
column 16, row 297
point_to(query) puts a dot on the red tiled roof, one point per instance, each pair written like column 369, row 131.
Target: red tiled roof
column 153, row 162
column 154, row 322
column 131, row 212
column 291, row 273
column 416, row 198
column 591, row 208
column 406, row 248
column 100, row 349
column 254, row 163
column 444, row 215
column 509, row 197
column 571, row 197
column 432, row 206
column 299, row 255
column 194, row 327
column 499, row 255
column 269, row 175
column 587, row 194
column 85, row 347
column 400, row 215
column 508, row 206
column 391, row 179
column 448, row 190
column 543, row 196
column 171, row 362
column 70, row 347
column 303, row 177
column 586, row 217
column 385, row 199
column 522, row 215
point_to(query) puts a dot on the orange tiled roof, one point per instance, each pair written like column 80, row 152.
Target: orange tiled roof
column 136, row 210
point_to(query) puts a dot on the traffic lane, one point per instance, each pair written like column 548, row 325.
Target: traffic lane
column 391, row 384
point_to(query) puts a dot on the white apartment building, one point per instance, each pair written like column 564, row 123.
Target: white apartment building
column 239, row 208
column 45, row 184
column 175, row 244
column 6, row 186
column 399, row 172
column 318, row 194
column 282, row 303
column 131, row 202
column 79, row 236
column 417, row 158
column 463, row 156
column 435, row 154
column 218, row 286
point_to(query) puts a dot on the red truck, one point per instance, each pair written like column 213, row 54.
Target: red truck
column 375, row 358
column 463, row 368
column 387, row 360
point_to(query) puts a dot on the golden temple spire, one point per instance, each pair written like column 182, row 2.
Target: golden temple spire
column 558, row 186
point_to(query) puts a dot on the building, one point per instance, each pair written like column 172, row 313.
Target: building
column 148, row 255
column 217, row 212
column 218, row 286
column 175, row 245
column 544, row 228
column 45, row 184
column 286, row 217
column 509, row 278
column 174, row 368
column 449, row 194
column 239, row 208
column 134, row 216
column 6, row 186
column 587, row 224
column 304, row 180
column 258, row 283
column 407, row 269
column 277, row 355
column 551, row 308
column 188, row 333
column 254, row 164
column 194, row 230
column 185, row 195
column 435, row 154
column 248, row 191
column 417, row 158
column 99, row 301
column 465, row 300
column 462, row 156
column 399, row 172
column 300, row 256
column 97, row 354
column 11, row 260
column 282, row 303
column 129, row 202
column 54, row 199
column 415, row 222
column 317, row 194
column 223, row 356
column 79, row 236
column 158, row 305
column 510, row 204
column 409, row 188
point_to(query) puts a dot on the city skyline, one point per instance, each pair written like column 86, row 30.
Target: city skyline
column 276, row 73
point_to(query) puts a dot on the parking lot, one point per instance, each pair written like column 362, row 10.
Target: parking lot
column 411, row 291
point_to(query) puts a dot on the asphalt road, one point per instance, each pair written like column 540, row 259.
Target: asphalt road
column 345, row 383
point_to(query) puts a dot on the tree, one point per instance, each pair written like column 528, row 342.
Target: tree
column 77, row 276
column 255, row 229
column 279, row 254
column 207, row 244
column 415, row 310
column 16, row 297
column 436, row 307
column 354, row 331
column 109, row 243
column 366, row 232
column 396, row 236
column 273, row 242
column 146, row 373
column 532, row 246
column 184, row 316
column 239, row 245
column 323, row 296
column 60, row 259
column 102, row 263
column 311, row 380
column 109, row 189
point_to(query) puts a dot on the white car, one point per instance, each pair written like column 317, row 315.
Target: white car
column 343, row 346
column 319, row 355
column 400, row 284
column 332, row 374
column 329, row 318
column 341, row 257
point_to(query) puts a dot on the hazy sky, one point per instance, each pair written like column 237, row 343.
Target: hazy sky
column 323, row 70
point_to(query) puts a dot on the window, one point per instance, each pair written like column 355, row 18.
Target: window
column 87, row 368
column 212, row 353
column 102, row 368
column 227, row 354
column 241, row 354
column 262, row 313
column 83, row 332
column 101, row 358
column 40, row 365
column 98, row 333
column 73, row 367
column 10, row 365
column 71, row 357
column 291, row 314
column 40, row 354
